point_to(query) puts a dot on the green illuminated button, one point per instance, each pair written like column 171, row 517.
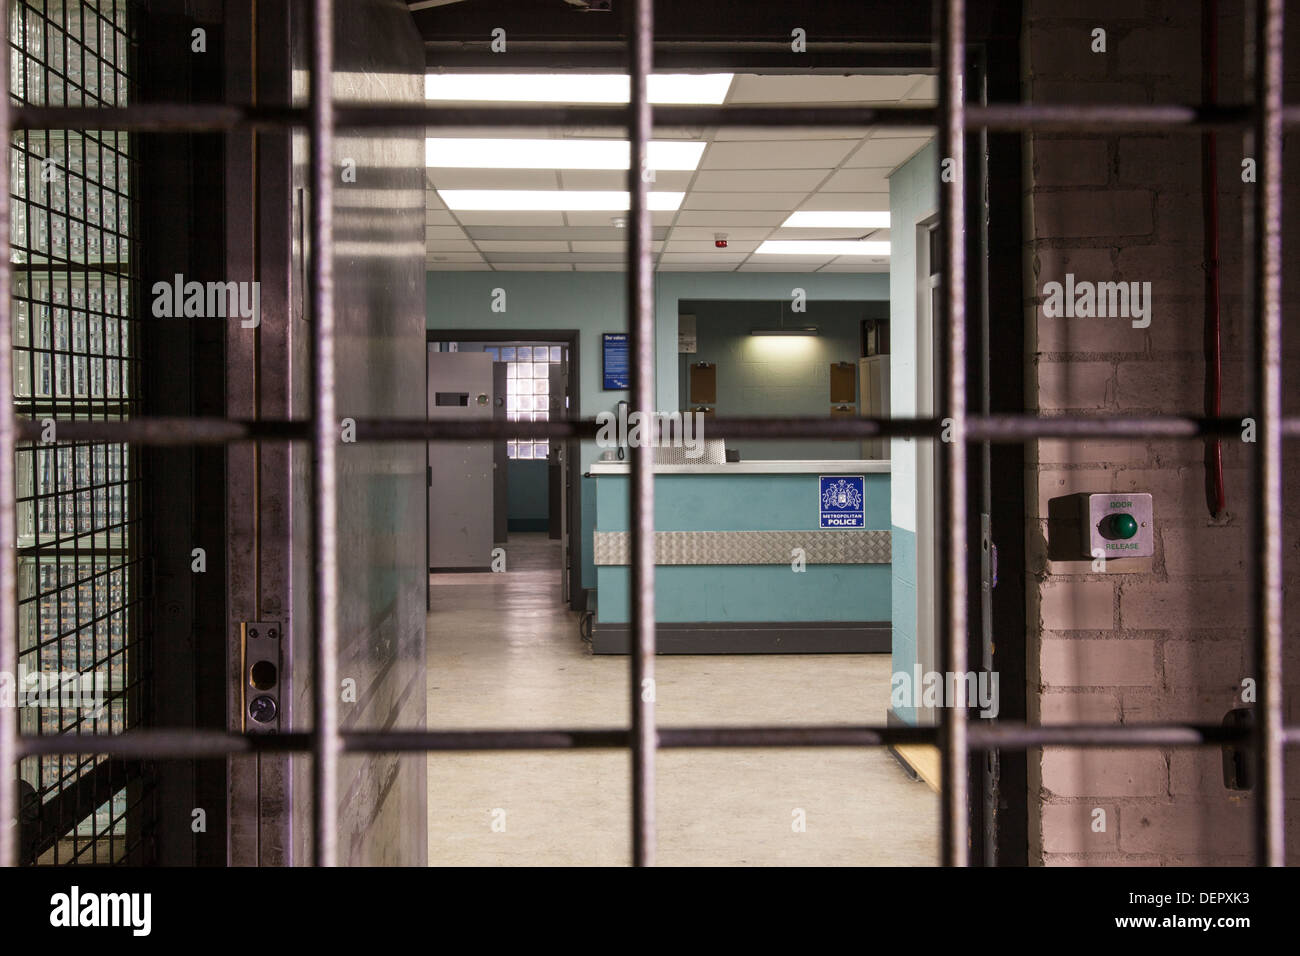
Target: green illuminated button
column 1122, row 526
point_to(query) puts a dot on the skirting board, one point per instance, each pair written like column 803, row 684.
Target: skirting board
column 773, row 637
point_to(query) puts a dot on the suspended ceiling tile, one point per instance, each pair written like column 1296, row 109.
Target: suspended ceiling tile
column 857, row 181
column 502, row 258
column 904, row 132
column 666, row 180
column 439, row 217
column 741, row 200
column 724, row 256
column 702, row 200
column 839, row 232
column 456, row 178
column 454, row 256
column 887, row 153
column 925, row 89
column 561, row 233
column 434, row 233
column 794, row 260
column 759, row 180
column 730, row 217
column 819, row 88
column 778, row 154
column 798, row 133
column 434, row 266
column 609, row 246
column 708, row 248
column 703, row 232
column 497, row 245
column 446, row 245
column 877, row 201
column 757, row 265
column 870, row 268
column 606, row 218
column 696, row 267
column 487, row 217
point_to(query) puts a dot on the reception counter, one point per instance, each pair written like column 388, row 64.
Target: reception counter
column 752, row 557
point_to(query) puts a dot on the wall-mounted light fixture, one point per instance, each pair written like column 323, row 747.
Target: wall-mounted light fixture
column 782, row 329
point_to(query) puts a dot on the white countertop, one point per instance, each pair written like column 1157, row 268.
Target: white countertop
column 832, row 466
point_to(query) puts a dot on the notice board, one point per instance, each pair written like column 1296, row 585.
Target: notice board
column 614, row 361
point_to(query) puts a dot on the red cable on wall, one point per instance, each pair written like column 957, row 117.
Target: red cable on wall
column 1215, row 497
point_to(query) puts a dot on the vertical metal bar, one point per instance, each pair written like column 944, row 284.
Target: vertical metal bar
column 640, row 304
column 952, row 449
column 990, row 761
column 8, row 541
column 1266, row 556
column 324, row 539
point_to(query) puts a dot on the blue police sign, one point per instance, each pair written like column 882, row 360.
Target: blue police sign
column 842, row 501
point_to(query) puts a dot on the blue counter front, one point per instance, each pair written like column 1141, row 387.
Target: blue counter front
column 744, row 564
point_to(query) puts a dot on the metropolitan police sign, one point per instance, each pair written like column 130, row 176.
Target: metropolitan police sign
column 842, row 501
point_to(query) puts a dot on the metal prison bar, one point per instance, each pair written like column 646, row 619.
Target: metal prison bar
column 1266, row 115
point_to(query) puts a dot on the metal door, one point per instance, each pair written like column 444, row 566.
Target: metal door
column 560, row 472
column 460, row 473
column 500, row 460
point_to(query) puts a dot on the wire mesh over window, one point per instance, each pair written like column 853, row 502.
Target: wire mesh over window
column 81, row 664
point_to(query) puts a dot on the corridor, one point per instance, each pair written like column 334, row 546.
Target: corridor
column 504, row 652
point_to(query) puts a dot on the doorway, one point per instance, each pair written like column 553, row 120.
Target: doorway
column 534, row 491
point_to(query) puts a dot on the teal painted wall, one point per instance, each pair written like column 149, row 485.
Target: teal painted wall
column 770, row 375
column 841, row 592
column 528, row 485
column 903, row 603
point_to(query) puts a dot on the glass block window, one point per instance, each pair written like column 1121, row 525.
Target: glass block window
column 528, row 385
column 82, row 665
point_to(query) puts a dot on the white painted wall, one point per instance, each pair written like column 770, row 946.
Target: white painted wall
column 913, row 198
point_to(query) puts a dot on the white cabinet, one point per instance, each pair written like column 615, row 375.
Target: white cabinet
column 873, row 388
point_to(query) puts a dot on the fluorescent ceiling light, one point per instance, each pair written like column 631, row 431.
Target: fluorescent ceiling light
column 822, row 247
column 807, row 330
column 814, row 219
column 515, row 200
column 708, row 89
column 555, row 153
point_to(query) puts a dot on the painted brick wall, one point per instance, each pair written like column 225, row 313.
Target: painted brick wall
column 1165, row 642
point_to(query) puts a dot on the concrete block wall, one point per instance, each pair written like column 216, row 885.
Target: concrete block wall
column 1163, row 640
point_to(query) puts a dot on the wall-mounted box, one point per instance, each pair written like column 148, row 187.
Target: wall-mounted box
column 1119, row 525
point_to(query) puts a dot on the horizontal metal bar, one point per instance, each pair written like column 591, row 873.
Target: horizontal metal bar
column 1046, row 117
column 177, row 118
column 158, row 117
column 180, row 745
column 170, row 431
column 994, row 428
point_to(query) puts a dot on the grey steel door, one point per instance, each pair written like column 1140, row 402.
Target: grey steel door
column 500, row 461
column 559, row 393
column 460, row 473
